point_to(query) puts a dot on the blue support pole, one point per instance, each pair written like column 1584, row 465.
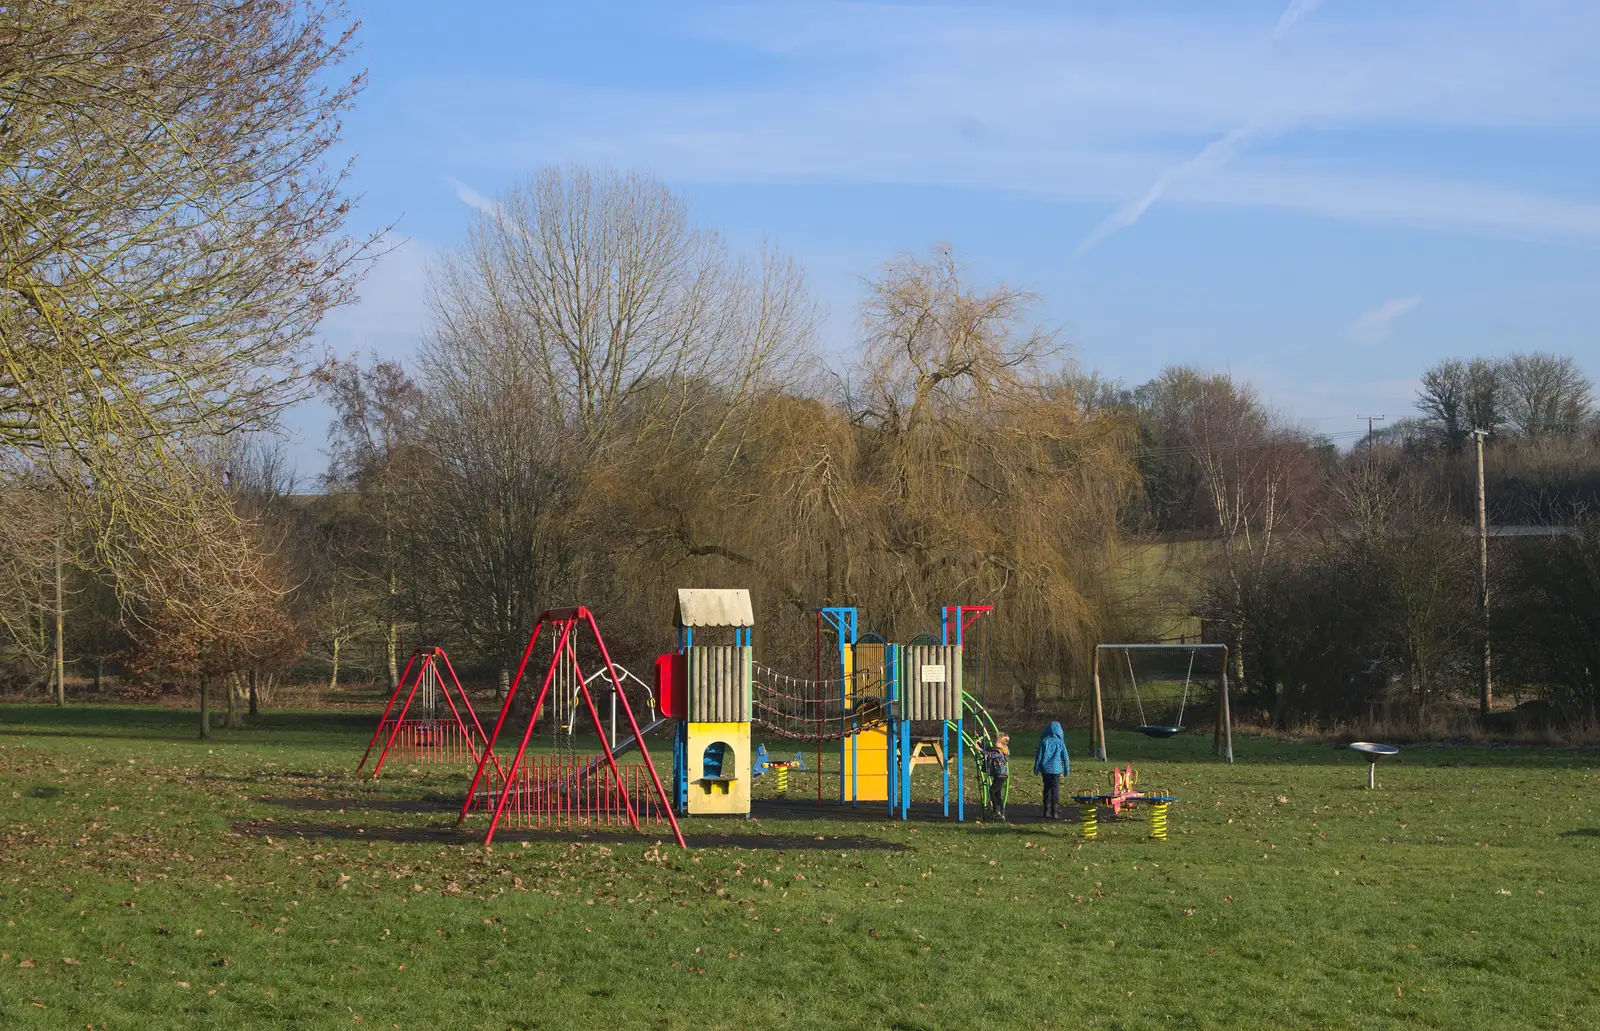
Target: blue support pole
column 905, row 769
column 961, row 780
column 680, row 766
column 944, row 729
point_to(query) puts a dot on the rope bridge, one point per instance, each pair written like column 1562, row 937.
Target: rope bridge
column 818, row 710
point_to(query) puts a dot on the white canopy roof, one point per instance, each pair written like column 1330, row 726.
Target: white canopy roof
column 699, row 606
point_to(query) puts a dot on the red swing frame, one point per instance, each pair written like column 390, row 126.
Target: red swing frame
column 562, row 623
column 431, row 657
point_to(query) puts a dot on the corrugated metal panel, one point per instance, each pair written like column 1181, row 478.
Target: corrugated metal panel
column 930, row 685
column 719, row 684
column 699, row 606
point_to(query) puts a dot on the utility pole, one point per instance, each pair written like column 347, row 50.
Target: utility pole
column 1486, row 684
column 1372, row 444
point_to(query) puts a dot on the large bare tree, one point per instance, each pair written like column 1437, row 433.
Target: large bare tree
column 170, row 236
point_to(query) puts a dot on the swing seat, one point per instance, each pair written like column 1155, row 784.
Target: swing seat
column 1160, row 730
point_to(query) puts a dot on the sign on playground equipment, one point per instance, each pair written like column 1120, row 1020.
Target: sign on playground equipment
column 933, row 674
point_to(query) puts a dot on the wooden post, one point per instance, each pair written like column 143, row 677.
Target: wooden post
column 1485, row 674
column 1225, row 716
column 1097, row 732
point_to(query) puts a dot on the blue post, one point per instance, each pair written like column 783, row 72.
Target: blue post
column 961, row 780
column 944, row 729
column 680, row 765
column 905, row 768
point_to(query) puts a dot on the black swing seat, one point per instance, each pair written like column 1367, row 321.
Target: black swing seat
column 1162, row 730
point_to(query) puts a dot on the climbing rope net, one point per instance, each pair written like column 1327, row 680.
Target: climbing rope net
column 819, row 710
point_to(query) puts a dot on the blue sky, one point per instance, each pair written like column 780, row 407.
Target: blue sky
column 1323, row 198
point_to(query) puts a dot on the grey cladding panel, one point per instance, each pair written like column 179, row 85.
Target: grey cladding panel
column 719, row 684
column 930, row 685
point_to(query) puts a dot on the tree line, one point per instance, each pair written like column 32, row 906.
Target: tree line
column 611, row 403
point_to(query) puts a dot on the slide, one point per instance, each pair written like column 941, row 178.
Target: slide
column 622, row 746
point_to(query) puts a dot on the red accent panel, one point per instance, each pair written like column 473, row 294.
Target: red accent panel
column 672, row 671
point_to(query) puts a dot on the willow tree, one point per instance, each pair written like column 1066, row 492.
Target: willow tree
column 171, row 236
column 951, row 462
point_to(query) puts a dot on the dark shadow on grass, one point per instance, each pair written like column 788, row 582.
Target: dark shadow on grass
column 754, row 840
column 380, row 805
column 1031, row 815
column 1582, row 832
column 1253, row 752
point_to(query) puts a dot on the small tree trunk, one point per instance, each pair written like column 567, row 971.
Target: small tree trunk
column 1030, row 693
column 255, row 706
column 502, row 685
column 233, row 711
column 394, row 664
column 61, row 662
column 99, row 673
column 205, row 709
column 333, row 674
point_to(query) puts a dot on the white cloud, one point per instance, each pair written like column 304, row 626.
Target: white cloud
column 1373, row 326
column 470, row 197
column 1123, row 109
column 1296, row 10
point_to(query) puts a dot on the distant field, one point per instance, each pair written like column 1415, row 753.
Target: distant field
column 149, row 880
column 1158, row 578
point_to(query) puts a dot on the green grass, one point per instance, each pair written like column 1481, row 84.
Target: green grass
column 150, row 880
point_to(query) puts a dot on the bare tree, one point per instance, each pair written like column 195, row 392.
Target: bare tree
column 172, row 239
column 593, row 368
column 1545, row 394
column 378, row 455
column 601, row 288
column 1458, row 397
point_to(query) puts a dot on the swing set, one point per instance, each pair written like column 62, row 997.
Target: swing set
column 1222, row 743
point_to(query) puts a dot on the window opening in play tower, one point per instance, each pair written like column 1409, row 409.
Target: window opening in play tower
column 718, row 762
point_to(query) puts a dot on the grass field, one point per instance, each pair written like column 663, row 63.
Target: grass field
column 150, row 880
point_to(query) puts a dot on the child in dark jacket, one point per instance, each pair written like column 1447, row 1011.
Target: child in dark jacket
column 997, row 765
column 1051, row 762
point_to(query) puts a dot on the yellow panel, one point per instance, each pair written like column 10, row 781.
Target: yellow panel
column 870, row 659
column 870, row 751
column 719, row 796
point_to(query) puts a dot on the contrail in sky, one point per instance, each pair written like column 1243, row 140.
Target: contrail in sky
column 1212, row 156
column 1296, row 10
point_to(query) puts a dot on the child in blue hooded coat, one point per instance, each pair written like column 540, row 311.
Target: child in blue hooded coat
column 1051, row 763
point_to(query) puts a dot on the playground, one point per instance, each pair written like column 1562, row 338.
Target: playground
column 257, row 881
